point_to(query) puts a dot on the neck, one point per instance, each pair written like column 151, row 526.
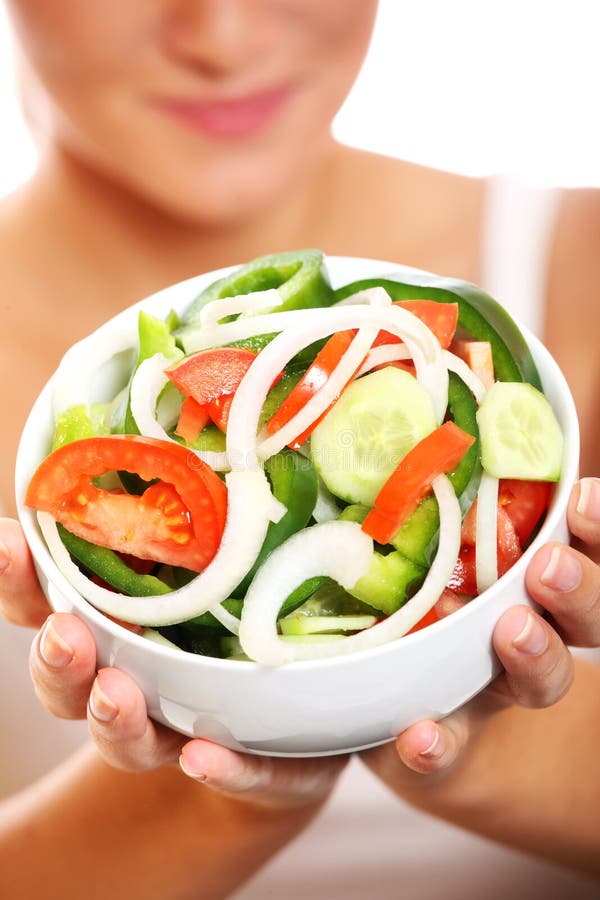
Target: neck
column 144, row 246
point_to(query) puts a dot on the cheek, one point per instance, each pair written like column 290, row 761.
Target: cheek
column 341, row 29
column 67, row 41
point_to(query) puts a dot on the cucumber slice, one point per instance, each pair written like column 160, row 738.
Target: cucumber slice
column 375, row 422
column 520, row 435
column 298, row 624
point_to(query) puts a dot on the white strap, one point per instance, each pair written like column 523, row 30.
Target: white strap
column 518, row 225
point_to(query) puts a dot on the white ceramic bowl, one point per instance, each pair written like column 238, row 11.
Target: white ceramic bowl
column 307, row 708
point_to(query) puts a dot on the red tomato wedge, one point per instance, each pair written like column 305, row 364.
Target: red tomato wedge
column 478, row 357
column 313, row 379
column 439, row 452
column 178, row 520
column 428, row 619
column 192, row 419
column 209, row 374
column 440, row 318
column 525, row 502
column 464, row 580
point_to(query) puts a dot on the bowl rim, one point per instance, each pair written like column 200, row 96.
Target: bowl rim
column 44, row 560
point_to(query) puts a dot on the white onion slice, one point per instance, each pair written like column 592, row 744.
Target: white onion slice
column 73, row 381
column 326, row 508
column 218, row 335
column 315, row 324
column 379, row 356
column 146, row 387
column 241, row 303
column 340, row 550
column 316, row 551
column 231, row 622
column 486, row 540
column 240, row 545
column 324, row 397
column 376, row 296
column 420, row 340
column 459, row 367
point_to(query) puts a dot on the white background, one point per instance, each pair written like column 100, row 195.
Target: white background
column 473, row 86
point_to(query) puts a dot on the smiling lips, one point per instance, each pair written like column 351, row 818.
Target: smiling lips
column 235, row 118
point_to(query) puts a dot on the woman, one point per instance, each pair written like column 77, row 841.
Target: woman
column 177, row 137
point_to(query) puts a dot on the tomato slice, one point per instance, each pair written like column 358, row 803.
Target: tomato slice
column 428, row 619
column 312, row 381
column 192, row 419
column 441, row 318
column 464, row 579
column 178, row 520
column 439, row 452
column 210, row 378
column 209, row 374
column 525, row 502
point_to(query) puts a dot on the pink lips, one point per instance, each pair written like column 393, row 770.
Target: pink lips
column 233, row 118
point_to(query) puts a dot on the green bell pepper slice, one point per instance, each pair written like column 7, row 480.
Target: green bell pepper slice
column 299, row 276
column 109, row 566
column 294, row 483
column 154, row 336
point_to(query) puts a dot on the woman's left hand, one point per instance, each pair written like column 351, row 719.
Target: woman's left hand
column 565, row 581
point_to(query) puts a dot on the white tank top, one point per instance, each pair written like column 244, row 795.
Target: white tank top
column 366, row 843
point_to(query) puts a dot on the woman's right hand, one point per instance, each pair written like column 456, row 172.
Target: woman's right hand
column 63, row 668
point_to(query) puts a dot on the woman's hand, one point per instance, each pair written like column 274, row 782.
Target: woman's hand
column 63, row 668
column 538, row 666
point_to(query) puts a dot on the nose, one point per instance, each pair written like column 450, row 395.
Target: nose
column 214, row 35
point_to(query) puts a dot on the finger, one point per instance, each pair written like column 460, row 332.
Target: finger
column 538, row 672
column 538, row 666
column 583, row 511
column 567, row 584
column 261, row 779
column 62, row 663
column 119, row 724
column 21, row 599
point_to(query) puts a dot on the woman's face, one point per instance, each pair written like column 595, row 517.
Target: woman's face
column 208, row 108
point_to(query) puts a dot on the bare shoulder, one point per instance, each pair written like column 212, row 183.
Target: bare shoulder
column 418, row 215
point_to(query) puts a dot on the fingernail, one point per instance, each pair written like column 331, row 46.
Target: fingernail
column 588, row 504
column 189, row 769
column 533, row 638
column 563, row 572
column 436, row 748
column 55, row 652
column 102, row 707
column 4, row 558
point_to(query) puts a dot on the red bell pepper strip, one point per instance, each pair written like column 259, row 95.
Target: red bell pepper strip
column 439, row 452
column 312, row 381
column 440, row 318
column 192, row 419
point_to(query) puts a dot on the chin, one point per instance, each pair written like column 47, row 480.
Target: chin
column 221, row 200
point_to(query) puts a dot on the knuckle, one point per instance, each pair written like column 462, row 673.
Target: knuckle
column 547, row 683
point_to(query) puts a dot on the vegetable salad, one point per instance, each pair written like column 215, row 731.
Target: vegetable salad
column 293, row 471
